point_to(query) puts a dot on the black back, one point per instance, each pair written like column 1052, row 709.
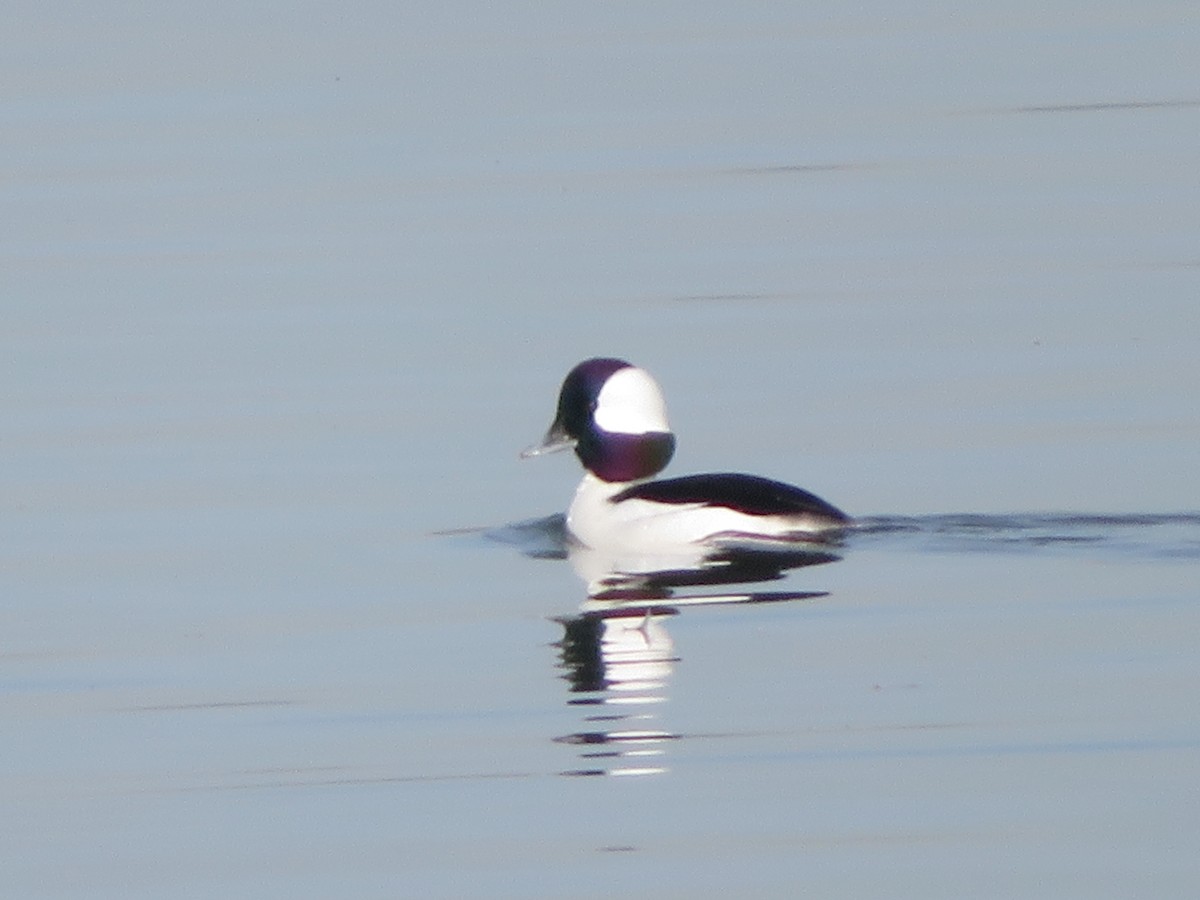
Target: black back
column 744, row 493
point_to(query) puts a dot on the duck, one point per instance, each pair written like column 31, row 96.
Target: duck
column 613, row 415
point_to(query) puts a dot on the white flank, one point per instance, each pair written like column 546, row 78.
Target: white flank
column 644, row 526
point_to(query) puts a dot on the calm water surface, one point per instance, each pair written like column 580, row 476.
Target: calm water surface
column 284, row 293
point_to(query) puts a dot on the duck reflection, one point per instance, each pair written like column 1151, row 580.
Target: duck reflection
column 618, row 665
column 616, row 653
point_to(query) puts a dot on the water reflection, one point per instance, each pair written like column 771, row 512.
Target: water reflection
column 617, row 654
column 618, row 666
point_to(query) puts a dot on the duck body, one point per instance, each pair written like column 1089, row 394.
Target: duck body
column 614, row 416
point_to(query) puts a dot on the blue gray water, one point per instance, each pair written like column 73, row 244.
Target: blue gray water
column 285, row 289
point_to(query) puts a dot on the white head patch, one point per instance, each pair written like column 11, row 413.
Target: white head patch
column 631, row 402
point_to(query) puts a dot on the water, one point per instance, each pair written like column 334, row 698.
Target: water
column 285, row 291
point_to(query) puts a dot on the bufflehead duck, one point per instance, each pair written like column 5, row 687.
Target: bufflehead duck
column 615, row 418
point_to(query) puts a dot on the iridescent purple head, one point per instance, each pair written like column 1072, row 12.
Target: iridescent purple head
column 614, row 416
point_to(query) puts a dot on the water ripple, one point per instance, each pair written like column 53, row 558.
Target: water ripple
column 1150, row 535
